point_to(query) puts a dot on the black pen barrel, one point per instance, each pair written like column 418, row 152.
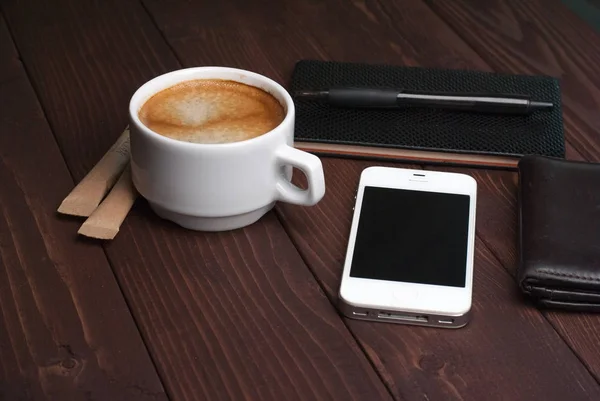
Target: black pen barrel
column 392, row 98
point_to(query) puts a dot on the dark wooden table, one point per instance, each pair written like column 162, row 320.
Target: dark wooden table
column 162, row 313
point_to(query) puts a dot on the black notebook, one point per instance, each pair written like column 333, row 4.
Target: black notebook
column 424, row 134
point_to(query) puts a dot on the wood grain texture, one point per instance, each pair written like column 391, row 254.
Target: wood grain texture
column 87, row 73
column 65, row 330
column 510, row 341
column 270, row 37
column 225, row 316
column 538, row 37
column 237, row 315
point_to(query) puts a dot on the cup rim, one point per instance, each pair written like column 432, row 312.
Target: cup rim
column 134, row 100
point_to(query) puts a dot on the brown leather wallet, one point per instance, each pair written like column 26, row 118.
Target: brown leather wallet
column 559, row 219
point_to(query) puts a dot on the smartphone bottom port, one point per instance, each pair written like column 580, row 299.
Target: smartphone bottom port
column 399, row 316
column 363, row 314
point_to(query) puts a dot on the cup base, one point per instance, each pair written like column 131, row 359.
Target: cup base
column 212, row 223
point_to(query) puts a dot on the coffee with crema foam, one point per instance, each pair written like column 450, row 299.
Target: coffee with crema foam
column 212, row 111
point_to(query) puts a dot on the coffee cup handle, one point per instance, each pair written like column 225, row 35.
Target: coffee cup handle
column 313, row 170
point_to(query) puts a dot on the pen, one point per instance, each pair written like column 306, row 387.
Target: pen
column 393, row 98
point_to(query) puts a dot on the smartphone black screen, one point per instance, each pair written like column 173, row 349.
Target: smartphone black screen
column 412, row 236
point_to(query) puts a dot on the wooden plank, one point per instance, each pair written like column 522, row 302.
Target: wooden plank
column 65, row 330
column 91, row 72
column 271, row 41
column 225, row 316
column 237, row 315
column 270, row 37
column 511, row 341
column 538, row 37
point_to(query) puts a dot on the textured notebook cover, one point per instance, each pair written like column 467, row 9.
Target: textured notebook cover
column 540, row 133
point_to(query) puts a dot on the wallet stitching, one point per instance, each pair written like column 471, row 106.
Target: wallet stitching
column 569, row 275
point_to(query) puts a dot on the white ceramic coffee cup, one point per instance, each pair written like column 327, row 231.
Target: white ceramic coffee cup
column 216, row 187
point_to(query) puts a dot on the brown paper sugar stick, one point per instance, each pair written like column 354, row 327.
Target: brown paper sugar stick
column 106, row 220
column 90, row 191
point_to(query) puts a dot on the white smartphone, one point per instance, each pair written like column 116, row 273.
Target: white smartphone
column 411, row 247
